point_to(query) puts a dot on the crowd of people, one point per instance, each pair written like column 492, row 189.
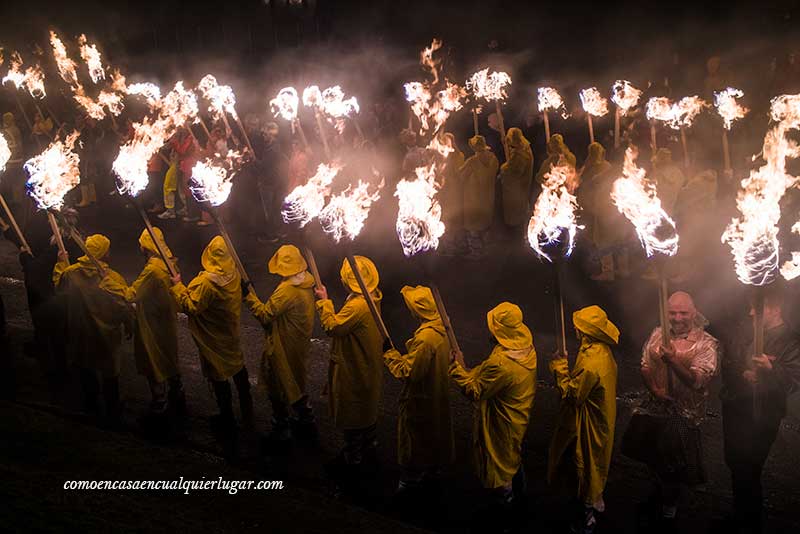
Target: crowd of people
column 95, row 309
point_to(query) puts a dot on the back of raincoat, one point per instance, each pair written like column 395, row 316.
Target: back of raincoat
column 515, row 176
column 478, row 175
column 556, row 148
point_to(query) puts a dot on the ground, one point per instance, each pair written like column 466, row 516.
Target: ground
column 45, row 441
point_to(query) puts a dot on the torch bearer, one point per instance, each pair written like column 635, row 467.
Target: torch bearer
column 222, row 101
column 491, row 86
column 678, row 116
column 550, row 99
column 5, row 155
column 625, row 96
column 312, row 97
column 730, row 110
column 594, row 105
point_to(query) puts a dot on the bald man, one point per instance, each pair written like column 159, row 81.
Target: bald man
column 677, row 405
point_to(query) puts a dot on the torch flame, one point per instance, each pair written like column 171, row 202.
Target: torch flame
column 15, row 74
column 419, row 219
column 636, row 198
column 151, row 92
column 312, row 96
column 625, row 96
column 66, row 67
column 91, row 56
column 221, row 97
column 554, row 211
column 727, row 106
column 34, row 81
column 212, row 178
column 306, row 201
column 111, row 101
column 593, row 102
column 675, row 115
column 53, row 173
column 5, row 153
column 346, row 212
column 285, row 104
column 426, row 58
column 489, row 86
column 550, row 99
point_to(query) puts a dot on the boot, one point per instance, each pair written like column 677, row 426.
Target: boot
column 223, row 424
column 242, row 381
column 85, row 197
column 113, row 406
column 304, row 422
column 606, row 273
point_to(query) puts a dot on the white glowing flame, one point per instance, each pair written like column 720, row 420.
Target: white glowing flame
column 66, row 67
column 285, row 104
column 312, row 97
column 727, row 106
column 15, row 74
column 442, row 145
column 111, row 101
column 346, row 213
column 625, row 96
column 636, row 198
column 550, row 99
column 675, row 115
column 554, row 212
column 150, row 91
column 212, row 178
column 433, row 112
column 221, row 97
column 419, row 218
column 118, row 82
column 53, row 173
column 5, row 153
column 490, row 86
column 593, row 102
column 426, row 59
column 306, row 201
column 753, row 237
column 92, row 108
column 336, row 107
column 91, row 56
column 34, row 81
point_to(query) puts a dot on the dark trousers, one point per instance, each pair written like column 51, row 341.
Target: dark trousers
column 224, row 395
column 748, row 441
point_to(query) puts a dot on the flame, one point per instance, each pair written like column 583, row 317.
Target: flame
column 34, row 81
column 212, row 178
column 346, row 212
column 675, row 115
column 151, row 92
column 285, row 104
column 91, row 56
column 625, row 96
column 419, row 219
column 118, row 82
column 593, row 102
column 221, row 97
column 53, row 173
column 426, row 59
column 306, row 201
column 111, row 101
column 15, row 74
column 312, row 96
column 433, row 112
column 727, row 106
column 92, row 108
column 66, row 67
column 5, row 153
column 489, row 86
column 753, row 237
column 554, row 211
column 636, row 198
column 550, row 99
column 337, row 107
column 441, row 145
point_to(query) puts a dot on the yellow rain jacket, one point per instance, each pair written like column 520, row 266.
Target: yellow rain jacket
column 288, row 320
column 515, row 177
column 584, row 434
column 555, row 149
column 503, row 388
column 424, row 427
column 213, row 302
column 452, row 194
column 607, row 226
column 478, row 175
column 355, row 376
column 156, row 341
column 96, row 309
column 669, row 179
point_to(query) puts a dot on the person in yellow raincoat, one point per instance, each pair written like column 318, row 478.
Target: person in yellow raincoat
column 288, row 320
column 171, row 187
column 424, row 426
column 669, row 179
column 515, row 178
column 355, row 377
column 97, row 316
column 155, row 344
column 213, row 303
column 556, row 148
column 478, row 175
column 503, row 388
column 580, row 452
column 452, row 199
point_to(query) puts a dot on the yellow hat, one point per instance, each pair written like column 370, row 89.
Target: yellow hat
column 594, row 322
column 419, row 300
column 368, row 272
column 98, row 246
column 146, row 242
column 216, row 258
column 287, row 261
column 505, row 324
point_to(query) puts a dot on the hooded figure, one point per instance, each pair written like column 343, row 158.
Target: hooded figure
column 556, row 148
column 213, row 303
column 96, row 315
column 580, row 452
column 355, row 376
column 452, row 192
column 288, row 320
column 502, row 388
column 515, row 176
column 669, row 179
column 156, row 336
column 478, row 177
column 424, row 428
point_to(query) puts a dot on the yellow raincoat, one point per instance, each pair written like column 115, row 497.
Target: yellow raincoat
column 478, row 175
column 669, row 179
column 607, row 226
column 288, row 320
column 355, row 377
column 96, row 309
column 156, row 340
column 584, row 436
column 452, row 193
column 213, row 302
column 424, row 427
column 503, row 388
column 515, row 177
column 555, row 149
